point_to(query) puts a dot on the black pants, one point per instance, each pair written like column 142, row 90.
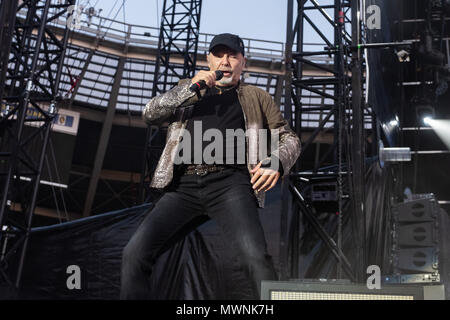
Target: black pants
column 225, row 196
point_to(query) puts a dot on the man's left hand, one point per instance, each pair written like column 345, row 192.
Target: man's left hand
column 264, row 179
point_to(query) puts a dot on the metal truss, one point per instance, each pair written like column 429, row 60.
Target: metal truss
column 333, row 95
column 31, row 67
column 423, row 89
column 176, row 59
column 178, row 38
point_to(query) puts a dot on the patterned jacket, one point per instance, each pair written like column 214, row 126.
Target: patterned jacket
column 260, row 112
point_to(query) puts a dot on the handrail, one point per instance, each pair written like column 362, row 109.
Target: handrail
column 136, row 34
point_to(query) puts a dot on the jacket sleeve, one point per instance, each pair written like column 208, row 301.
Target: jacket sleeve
column 289, row 144
column 160, row 108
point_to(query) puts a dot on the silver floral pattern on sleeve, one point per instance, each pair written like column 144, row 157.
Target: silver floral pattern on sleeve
column 163, row 106
column 289, row 149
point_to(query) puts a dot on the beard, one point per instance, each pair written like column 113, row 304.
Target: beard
column 225, row 81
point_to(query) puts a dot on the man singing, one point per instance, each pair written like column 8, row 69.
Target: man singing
column 228, row 184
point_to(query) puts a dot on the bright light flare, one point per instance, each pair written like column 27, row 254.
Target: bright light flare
column 442, row 129
column 427, row 120
column 394, row 123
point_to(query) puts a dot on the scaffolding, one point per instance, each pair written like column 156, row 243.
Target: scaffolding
column 335, row 98
column 29, row 94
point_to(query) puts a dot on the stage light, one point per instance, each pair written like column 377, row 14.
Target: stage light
column 442, row 129
column 342, row 290
column 403, row 56
column 393, row 123
column 425, row 113
column 427, row 120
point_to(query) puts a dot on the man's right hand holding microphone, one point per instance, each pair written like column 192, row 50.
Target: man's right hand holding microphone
column 205, row 79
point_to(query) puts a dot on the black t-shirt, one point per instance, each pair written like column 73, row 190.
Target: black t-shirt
column 222, row 113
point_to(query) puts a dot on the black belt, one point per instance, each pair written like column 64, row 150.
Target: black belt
column 202, row 169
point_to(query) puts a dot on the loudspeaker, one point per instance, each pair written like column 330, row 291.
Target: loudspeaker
column 415, row 237
column 422, row 234
column 417, row 260
column 418, row 210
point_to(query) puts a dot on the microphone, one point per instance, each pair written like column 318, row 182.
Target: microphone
column 202, row 84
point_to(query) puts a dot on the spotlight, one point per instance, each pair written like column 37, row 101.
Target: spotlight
column 427, row 120
column 91, row 12
column 393, row 123
column 425, row 113
column 442, row 129
column 403, row 56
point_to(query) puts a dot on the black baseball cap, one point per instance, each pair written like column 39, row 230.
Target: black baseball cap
column 232, row 41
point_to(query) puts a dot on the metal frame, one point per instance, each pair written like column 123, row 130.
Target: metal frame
column 179, row 35
column 104, row 139
column 337, row 112
column 25, row 89
column 349, row 118
column 432, row 21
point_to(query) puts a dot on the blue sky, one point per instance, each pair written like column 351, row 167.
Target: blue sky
column 258, row 19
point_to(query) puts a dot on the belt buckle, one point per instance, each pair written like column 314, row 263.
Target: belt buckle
column 201, row 171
